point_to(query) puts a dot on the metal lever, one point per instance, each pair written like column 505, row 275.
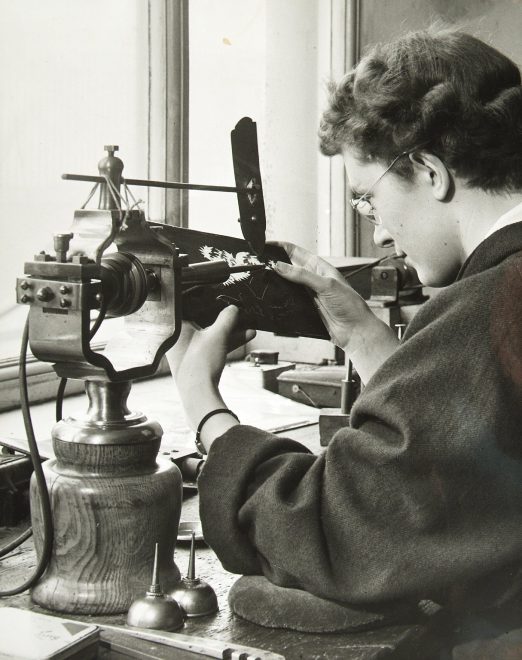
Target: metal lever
column 176, row 185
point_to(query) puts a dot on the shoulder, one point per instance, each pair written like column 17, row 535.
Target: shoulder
column 475, row 301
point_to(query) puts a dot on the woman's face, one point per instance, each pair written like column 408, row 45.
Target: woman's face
column 412, row 218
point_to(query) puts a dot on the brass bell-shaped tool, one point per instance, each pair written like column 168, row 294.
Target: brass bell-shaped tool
column 196, row 597
column 155, row 610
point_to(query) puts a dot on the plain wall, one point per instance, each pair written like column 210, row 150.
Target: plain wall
column 255, row 58
column 74, row 78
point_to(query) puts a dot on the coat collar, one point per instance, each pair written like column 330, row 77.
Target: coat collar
column 493, row 250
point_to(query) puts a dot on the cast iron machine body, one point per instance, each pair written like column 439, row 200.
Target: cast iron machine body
column 112, row 497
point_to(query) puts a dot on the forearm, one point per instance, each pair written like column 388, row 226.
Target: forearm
column 207, row 399
column 370, row 346
column 199, row 396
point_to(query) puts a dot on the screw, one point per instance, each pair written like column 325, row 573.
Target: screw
column 24, row 285
column 64, row 302
column 384, row 275
column 45, row 294
column 25, row 298
column 80, row 259
column 65, row 289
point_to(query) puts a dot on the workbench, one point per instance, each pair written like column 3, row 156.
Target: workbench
column 242, row 393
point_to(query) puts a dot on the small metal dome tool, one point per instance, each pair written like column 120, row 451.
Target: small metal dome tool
column 155, row 610
column 196, row 597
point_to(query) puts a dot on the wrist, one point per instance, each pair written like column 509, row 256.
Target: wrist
column 212, row 425
column 199, row 403
column 370, row 347
column 367, row 334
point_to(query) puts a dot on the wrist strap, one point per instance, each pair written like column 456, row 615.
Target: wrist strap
column 217, row 411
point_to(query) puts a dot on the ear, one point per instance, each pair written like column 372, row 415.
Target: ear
column 432, row 171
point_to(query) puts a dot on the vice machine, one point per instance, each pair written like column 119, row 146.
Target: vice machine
column 103, row 503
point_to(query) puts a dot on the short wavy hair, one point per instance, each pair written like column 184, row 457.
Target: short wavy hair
column 444, row 90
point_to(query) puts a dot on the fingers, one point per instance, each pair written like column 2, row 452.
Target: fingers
column 286, row 245
column 226, row 320
column 300, row 275
column 224, row 329
column 240, row 338
column 298, row 255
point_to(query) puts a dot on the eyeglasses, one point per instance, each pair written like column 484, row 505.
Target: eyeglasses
column 363, row 205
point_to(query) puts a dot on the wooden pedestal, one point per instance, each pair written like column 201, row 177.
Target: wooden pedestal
column 111, row 501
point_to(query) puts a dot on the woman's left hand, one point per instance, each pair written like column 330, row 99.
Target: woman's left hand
column 198, row 358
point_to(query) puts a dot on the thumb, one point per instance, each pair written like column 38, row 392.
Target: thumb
column 227, row 319
column 303, row 276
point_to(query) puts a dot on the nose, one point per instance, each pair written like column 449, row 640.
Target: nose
column 382, row 238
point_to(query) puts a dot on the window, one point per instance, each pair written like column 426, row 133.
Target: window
column 77, row 76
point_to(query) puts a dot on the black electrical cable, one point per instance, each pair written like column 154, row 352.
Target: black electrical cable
column 41, row 484
column 59, row 398
column 16, row 542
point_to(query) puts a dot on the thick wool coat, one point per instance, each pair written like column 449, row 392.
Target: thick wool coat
column 422, row 496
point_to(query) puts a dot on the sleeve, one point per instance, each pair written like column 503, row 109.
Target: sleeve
column 415, row 496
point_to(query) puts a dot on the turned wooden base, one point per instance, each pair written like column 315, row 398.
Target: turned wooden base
column 105, row 531
column 112, row 500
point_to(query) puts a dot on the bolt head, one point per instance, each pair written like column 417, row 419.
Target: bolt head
column 65, row 289
column 24, row 285
column 25, row 299
column 45, row 294
column 64, row 302
column 80, row 259
column 43, row 256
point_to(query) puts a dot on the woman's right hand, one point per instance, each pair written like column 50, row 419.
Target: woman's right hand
column 342, row 309
column 350, row 322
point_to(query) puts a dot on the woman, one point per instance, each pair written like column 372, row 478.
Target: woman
column 422, row 496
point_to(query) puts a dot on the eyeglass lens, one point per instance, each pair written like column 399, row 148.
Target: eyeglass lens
column 365, row 208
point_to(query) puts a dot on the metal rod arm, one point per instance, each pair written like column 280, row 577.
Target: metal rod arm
column 164, row 184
